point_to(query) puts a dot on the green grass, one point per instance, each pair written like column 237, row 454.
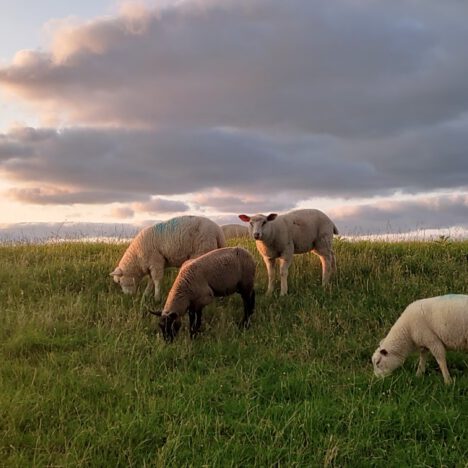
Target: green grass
column 86, row 381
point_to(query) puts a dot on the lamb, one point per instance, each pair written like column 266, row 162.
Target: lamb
column 221, row 272
column 232, row 231
column 433, row 324
column 296, row 232
column 166, row 244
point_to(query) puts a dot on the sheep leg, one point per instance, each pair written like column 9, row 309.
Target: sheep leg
column 195, row 322
column 323, row 249
column 270, row 266
column 333, row 262
column 438, row 351
column 422, row 361
column 249, row 305
column 149, row 287
column 284, row 267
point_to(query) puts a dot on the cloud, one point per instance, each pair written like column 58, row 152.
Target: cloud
column 53, row 196
column 226, row 203
column 346, row 68
column 247, row 105
column 421, row 217
column 160, row 205
column 399, row 216
column 124, row 165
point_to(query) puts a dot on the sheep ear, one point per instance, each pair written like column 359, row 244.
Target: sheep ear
column 117, row 272
column 244, row 218
column 158, row 313
column 271, row 216
column 383, row 352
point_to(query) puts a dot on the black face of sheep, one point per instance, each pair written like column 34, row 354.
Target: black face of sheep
column 170, row 325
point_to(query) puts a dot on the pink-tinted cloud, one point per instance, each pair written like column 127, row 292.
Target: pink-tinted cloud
column 342, row 68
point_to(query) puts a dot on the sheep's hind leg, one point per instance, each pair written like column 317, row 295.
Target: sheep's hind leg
column 438, row 351
column 284, row 268
column 249, row 305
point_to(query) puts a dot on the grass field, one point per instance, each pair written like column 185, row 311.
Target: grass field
column 85, row 381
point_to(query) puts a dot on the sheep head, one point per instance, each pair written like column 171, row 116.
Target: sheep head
column 169, row 324
column 129, row 284
column 385, row 361
column 259, row 226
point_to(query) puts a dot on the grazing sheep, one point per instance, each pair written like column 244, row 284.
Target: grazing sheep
column 434, row 324
column 218, row 273
column 232, row 231
column 295, row 232
column 167, row 244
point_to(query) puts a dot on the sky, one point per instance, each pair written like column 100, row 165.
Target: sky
column 118, row 114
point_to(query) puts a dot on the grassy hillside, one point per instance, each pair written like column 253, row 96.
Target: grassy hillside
column 85, row 381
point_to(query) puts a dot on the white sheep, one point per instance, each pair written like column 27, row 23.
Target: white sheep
column 233, row 231
column 434, row 324
column 166, row 244
column 296, row 232
column 221, row 272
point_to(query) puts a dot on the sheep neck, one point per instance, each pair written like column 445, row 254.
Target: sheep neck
column 399, row 341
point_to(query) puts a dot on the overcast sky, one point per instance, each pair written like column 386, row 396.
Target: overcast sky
column 132, row 112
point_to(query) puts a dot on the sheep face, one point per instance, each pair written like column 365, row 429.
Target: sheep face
column 170, row 325
column 259, row 225
column 129, row 284
column 385, row 362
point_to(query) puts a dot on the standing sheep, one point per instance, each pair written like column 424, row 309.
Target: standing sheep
column 167, row 244
column 232, row 231
column 218, row 273
column 434, row 324
column 295, row 232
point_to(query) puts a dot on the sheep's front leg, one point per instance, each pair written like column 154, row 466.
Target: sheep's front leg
column 422, row 361
column 270, row 266
column 284, row 267
column 438, row 351
column 195, row 322
column 156, row 277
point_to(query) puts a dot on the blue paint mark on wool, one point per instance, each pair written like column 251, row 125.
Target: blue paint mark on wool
column 170, row 225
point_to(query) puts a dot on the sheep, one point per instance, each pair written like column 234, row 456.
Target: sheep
column 232, row 231
column 166, row 244
column 295, row 232
column 433, row 324
column 221, row 272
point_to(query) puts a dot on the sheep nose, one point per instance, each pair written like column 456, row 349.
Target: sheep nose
column 256, row 235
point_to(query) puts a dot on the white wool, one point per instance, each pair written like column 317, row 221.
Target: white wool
column 233, row 231
column 296, row 232
column 433, row 324
column 167, row 244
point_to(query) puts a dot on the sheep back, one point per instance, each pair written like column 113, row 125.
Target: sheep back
column 444, row 316
column 184, row 237
column 304, row 227
column 232, row 231
column 221, row 272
